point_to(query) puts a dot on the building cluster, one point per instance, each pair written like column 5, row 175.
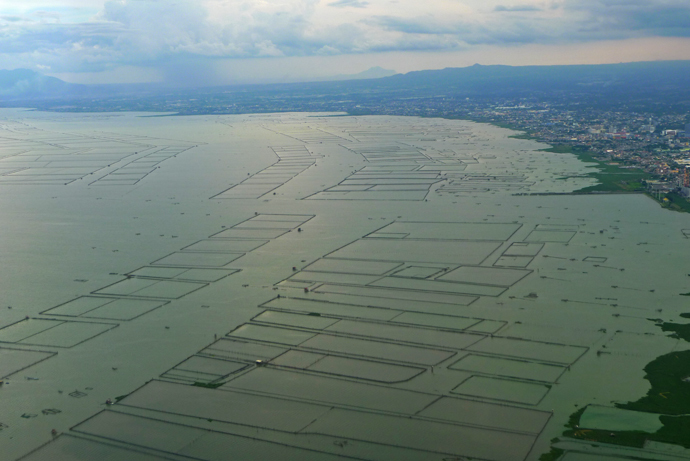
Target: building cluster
column 649, row 133
column 656, row 144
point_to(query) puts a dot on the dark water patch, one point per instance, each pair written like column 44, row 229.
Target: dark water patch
column 680, row 330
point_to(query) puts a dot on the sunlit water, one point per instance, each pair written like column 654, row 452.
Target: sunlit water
column 540, row 303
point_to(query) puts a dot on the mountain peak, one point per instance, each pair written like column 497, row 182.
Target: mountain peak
column 26, row 83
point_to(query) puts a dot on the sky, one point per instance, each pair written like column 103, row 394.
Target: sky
column 216, row 42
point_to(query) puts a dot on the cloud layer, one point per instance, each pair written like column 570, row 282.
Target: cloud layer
column 160, row 33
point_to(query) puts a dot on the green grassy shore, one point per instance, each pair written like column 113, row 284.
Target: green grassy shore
column 612, row 178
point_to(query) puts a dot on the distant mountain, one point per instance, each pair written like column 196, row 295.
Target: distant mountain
column 657, row 86
column 28, row 85
column 25, row 83
column 373, row 72
column 632, row 77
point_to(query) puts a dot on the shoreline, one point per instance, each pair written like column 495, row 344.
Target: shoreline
column 612, row 179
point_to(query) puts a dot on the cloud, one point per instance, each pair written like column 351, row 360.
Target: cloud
column 244, row 29
column 140, row 32
column 47, row 16
column 349, row 3
column 516, row 8
column 11, row 18
column 177, row 35
column 427, row 26
column 570, row 21
column 633, row 18
column 460, row 34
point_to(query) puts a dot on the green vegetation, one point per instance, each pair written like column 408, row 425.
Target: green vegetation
column 505, row 125
column 676, row 202
column 680, row 330
column 553, row 455
column 670, row 393
column 560, row 149
column 634, row 439
column 574, row 419
column 208, row 385
column 627, row 438
column 676, row 430
column 611, row 178
column 614, row 178
column 669, row 397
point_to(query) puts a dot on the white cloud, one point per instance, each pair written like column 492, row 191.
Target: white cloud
column 349, row 3
column 174, row 34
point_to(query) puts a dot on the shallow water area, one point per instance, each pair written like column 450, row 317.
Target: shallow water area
column 305, row 287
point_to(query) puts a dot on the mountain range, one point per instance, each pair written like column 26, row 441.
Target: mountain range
column 657, row 82
column 25, row 84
